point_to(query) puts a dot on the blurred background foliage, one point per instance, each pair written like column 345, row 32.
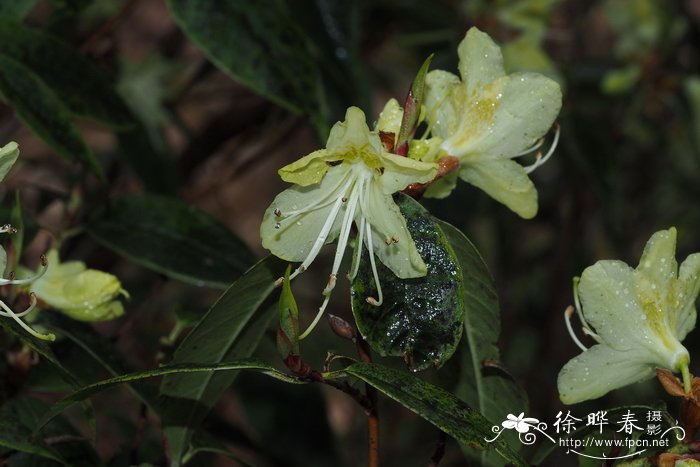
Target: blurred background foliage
column 213, row 97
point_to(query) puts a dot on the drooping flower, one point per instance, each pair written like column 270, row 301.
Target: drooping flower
column 487, row 118
column 81, row 293
column 638, row 317
column 350, row 181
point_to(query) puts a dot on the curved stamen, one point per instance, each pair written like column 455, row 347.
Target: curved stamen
column 318, row 204
column 567, row 318
column 27, row 280
column 321, row 239
column 535, row 146
column 541, row 160
column 358, row 248
column 339, row 253
column 344, row 234
column 372, row 300
column 16, row 317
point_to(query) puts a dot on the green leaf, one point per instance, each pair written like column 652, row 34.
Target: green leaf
column 15, row 9
column 173, row 238
column 412, row 109
column 14, row 435
column 420, row 319
column 257, row 44
column 68, row 444
column 482, row 384
column 104, row 354
column 288, row 330
column 41, row 109
column 434, row 404
column 203, row 443
column 95, row 388
column 231, row 329
column 75, row 81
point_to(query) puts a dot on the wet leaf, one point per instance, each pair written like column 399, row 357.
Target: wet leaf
column 420, row 319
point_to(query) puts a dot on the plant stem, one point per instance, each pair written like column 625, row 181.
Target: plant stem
column 373, row 412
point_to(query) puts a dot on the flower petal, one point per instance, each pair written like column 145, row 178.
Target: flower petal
column 399, row 172
column 687, row 293
column 443, row 110
column 480, row 60
column 353, row 133
column 296, row 234
column 506, row 182
column 309, row 169
column 609, row 302
column 599, row 370
column 658, row 261
column 386, row 220
column 505, row 117
column 442, row 187
column 8, row 156
column 390, row 117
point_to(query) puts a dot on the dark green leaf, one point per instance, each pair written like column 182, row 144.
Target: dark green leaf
column 434, row 404
column 202, row 443
column 420, row 319
column 41, row 109
column 258, row 45
column 231, row 329
column 62, row 438
column 172, row 238
column 105, row 355
column 155, row 166
column 92, row 389
column 15, row 9
column 16, row 436
column 482, row 383
column 74, row 79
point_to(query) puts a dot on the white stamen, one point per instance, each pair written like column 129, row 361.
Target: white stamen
column 535, row 146
column 321, row 202
column 541, row 160
column 372, row 300
column 320, row 240
column 339, row 253
column 358, row 248
column 27, row 280
column 567, row 318
column 17, row 316
column 7, row 228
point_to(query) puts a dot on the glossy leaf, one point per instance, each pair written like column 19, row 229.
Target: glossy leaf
column 482, row 384
column 80, row 86
column 256, row 44
column 434, row 404
column 231, row 329
column 420, row 319
column 173, row 238
column 42, row 110
column 95, row 388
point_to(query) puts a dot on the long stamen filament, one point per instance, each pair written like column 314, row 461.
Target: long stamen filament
column 321, row 239
column 534, row 147
column 27, row 280
column 567, row 318
column 358, row 248
column 318, row 204
column 25, row 326
column 372, row 300
column 541, row 160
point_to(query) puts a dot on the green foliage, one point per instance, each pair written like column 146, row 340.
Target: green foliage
column 148, row 229
column 420, row 319
column 231, row 329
